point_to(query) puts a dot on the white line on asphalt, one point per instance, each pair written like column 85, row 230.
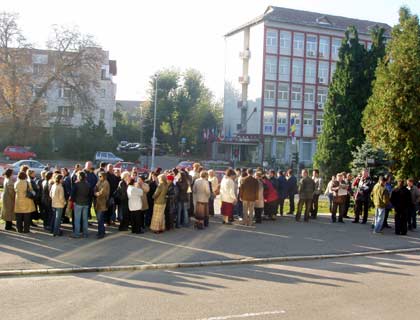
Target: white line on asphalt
column 232, row 227
column 246, row 315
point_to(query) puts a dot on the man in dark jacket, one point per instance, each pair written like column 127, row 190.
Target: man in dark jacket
column 92, row 180
column 113, row 181
column 362, row 197
column 282, row 190
column 306, row 192
column 291, row 190
column 401, row 200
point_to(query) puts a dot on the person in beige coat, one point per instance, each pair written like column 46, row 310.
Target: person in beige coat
column 158, row 219
column 8, row 200
column 24, row 206
column 101, row 206
column 201, row 195
column 144, row 202
column 58, row 202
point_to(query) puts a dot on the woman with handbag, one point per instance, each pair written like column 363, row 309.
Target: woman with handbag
column 58, row 202
column 340, row 189
column 24, row 205
column 101, row 204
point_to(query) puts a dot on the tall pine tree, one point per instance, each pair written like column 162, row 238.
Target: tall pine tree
column 391, row 119
column 348, row 94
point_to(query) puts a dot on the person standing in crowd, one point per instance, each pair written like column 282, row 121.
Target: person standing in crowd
column 92, row 179
column 259, row 203
column 329, row 193
column 240, row 175
column 291, row 190
column 113, row 181
column 282, row 191
column 275, row 182
column 401, row 201
column 201, row 195
column 388, row 186
column 318, row 185
column 81, row 195
column 362, row 197
column 248, row 195
column 306, row 192
column 46, row 201
column 340, row 191
column 412, row 209
column 227, row 196
column 215, row 190
column 171, row 200
column 152, row 182
column 134, row 194
column 121, row 194
column 348, row 180
column 24, row 206
column 32, row 180
column 102, row 191
column 183, row 200
column 8, row 200
column 75, row 173
column 380, row 198
column 58, row 202
column 144, row 202
column 67, row 190
column 270, row 199
column 195, row 172
column 157, row 224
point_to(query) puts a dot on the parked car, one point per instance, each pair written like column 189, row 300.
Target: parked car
column 185, row 164
column 18, row 153
column 32, row 164
column 125, row 166
column 107, row 157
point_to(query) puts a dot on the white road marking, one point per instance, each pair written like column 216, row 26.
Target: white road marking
column 246, row 315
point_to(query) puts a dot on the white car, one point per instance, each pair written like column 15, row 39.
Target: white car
column 107, row 157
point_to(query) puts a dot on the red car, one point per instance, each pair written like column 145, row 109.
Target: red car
column 18, row 153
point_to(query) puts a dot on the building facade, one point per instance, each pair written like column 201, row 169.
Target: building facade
column 277, row 71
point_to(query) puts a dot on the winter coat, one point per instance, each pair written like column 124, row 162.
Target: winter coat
column 102, row 196
column 58, row 199
column 8, row 200
column 160, row 194
column 182, row 185
column 260, row 202
column 201, row 190
column 380, row 196
column 23, row 204
column 401, row 199
column 134, row 198
column 144, row 201
column 270, row 193
column 227, row 190
column 282, row 187
column 306, row 188
column 292, row 186
column 249, row 189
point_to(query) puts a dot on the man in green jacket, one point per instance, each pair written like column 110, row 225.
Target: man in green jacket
column 380, row 198
column 306, row 191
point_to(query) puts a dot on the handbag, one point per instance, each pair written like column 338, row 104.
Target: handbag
column 29, row 193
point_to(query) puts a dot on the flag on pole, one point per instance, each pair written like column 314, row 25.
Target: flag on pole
column 293, row 130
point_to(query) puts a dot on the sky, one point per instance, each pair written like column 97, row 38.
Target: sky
column 147, row 36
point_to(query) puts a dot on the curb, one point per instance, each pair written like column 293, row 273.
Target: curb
column 213, row 263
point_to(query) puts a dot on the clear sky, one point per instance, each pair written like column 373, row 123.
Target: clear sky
column 145, row 36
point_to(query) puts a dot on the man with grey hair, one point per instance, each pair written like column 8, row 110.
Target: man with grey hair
column 306, row 190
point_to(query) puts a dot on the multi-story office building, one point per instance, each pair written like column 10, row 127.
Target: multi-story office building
column 277, row 71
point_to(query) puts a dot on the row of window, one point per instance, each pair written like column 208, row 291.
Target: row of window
column 283, row 123
column 300, row 72
column 295, row 93
column 280, row 150
column 63, row 92
column 68, row 112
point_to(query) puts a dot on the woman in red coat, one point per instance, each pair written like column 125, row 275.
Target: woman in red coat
column 270, row 199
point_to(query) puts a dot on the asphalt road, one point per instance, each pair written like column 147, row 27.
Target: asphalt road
column 380, row 287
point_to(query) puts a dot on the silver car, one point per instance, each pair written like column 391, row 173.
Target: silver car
column 107, row 157
column 32, row 164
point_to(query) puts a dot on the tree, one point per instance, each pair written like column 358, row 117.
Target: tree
column 73, row 62
column 342, row 131
column 363, row 154
column 391, row 118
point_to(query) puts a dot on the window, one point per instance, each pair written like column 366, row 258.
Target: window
column 323, row 72
column 271, row 41
column 296, row 117
column 335, row 48
column 319, row 123
column 309, row 94
column 37, row 91
column 104, row 74
column 285, row 42
column 284, row 69
column 297, row 70
column 322, row 97
column 311, row 44
column 37, row 68
column 280, row 149
column 269, row 93
column 271, row 68
column 40, row 59
column 297, row 93
column 306, row 151
column 310, row 71
column 268, row 122
column 281, row 122
column 65, row 111
column 333, row 67
column 283, row 92
column 102, row 93
column 102, row 114
column 308, row 119
column 298, row 44
column 64, row 92
column 324, row 48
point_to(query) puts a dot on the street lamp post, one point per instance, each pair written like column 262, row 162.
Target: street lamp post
column 152, row 166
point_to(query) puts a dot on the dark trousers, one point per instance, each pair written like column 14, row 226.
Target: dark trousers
column 400, row 222
column 411, row 217
column 125, row 216
column 361, row 205
column 341, row 208
column 258, row 214
column 292, row 203
column 270, row 209
column 346, row 206
column 110, row 213
column 9, row 225
column 314, row 207
column 48, row 217
column 211, row 206
column 148, row 216
column 385, row 224
column 308, row 204
column 137, row 221
column 281, row 205
column 23, row 222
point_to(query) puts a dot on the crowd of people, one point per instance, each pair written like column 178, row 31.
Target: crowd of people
column 170, row 199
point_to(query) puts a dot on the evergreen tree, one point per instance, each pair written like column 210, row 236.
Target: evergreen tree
column 348, row 94
column 367, row 151
column 391, row 119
